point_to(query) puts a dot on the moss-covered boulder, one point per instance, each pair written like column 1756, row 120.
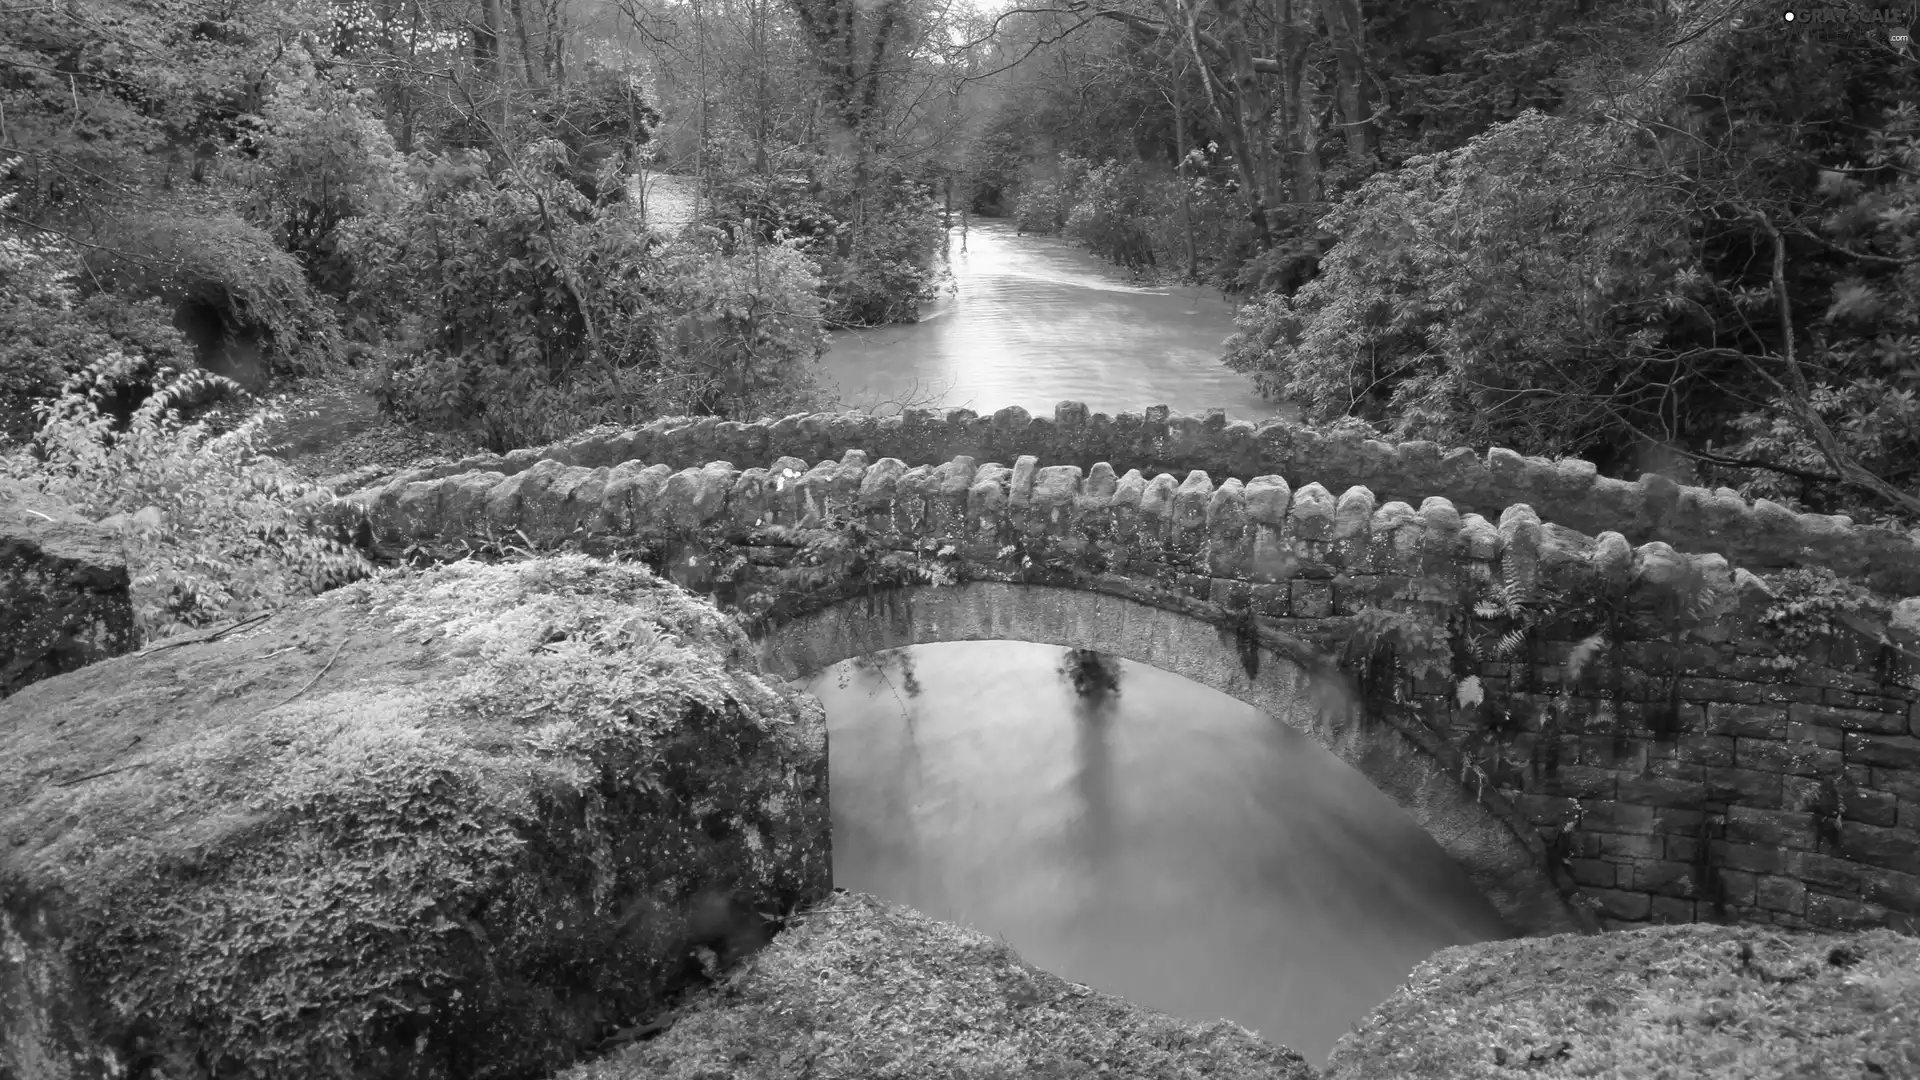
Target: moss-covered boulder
column 1697, row 1001
column 857, row 989
column 458, row 824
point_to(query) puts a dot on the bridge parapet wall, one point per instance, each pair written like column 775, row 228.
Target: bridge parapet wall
column 1760, row 534
column 1708, row 779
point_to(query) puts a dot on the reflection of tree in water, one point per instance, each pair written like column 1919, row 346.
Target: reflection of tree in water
column 1095, row 678
column 1095, row 675
column 883, row 667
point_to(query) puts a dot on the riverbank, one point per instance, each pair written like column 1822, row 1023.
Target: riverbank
column 858, row 989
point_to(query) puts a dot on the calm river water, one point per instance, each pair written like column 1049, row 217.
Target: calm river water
column 1166, row 843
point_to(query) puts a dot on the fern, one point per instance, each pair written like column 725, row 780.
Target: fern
column 1583, row 653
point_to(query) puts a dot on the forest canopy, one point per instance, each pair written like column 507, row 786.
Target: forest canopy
column 1665, row 234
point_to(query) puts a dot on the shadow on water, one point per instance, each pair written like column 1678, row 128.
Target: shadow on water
column 1148, row 836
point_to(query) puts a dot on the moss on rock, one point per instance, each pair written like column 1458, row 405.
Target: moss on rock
column 462, row 823
column 858, row 988
column 1698, row 1001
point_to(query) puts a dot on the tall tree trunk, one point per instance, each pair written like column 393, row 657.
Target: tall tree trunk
column 1180, row 173
column 1346, row 32
column 1295, row 111
column 535, row 73
column 486, row 40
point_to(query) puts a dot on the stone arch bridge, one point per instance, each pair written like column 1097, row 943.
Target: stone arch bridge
column 1710, row 771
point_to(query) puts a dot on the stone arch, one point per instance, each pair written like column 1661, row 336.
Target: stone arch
column 1286, row 682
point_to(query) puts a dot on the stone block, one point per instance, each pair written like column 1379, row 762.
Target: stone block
column 1629, row 848
column 1749, row 720
column 1870, row 806
column 1839, row 913
column 1738, row 887
column 1772, row 828
column 1745, row 787
column 1672, row 910
column 1888, row 848
column 1312, row 599
column 1842, row 720
column 1595, row 873
column 1582, row 782
column 1663, row 878
column 1788, row 758
column 1660, row 792
column 1619, row 904
column 1713, row 750
column 1828, row 873
column 1890, row 751
column 1749, row 857
column 1600, row 815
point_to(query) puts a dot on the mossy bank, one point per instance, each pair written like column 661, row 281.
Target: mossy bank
column 461, row 823
column 1688, row 1002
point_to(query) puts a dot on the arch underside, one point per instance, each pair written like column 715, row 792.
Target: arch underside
column 1498, row 861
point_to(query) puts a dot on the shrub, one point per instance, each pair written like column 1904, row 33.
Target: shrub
column 322, row 157
column 525, row 303
column 742, row 331
column 218, row 267
column 214, row 530
column 48, row 334
column 1114, row 212
column 1478, row 296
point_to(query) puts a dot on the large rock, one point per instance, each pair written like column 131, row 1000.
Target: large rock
column 459, row 824
column 1696, row 1001
column 863, row 990
column 64, row 596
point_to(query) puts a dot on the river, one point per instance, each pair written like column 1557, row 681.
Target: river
column 1162, row 842
column 1034, row 322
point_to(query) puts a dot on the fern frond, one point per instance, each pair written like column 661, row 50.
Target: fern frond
column 1583, row 652
column 1510, row 643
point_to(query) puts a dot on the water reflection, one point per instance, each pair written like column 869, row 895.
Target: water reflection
column 1033, row 322
column 1157, row 840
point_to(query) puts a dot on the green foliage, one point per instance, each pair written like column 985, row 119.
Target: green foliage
column 114, row 100
column 214, row 529
column 320, row 156
column 1476, row 297
column 535, row 313
column 1812, row 605
column 603, row 119
column 48, row 333
column 522, row 304
column 219, row 265
column 1599, row 283
column 741, row 328
column 882, row 268
column 1047, row 192
column 1113, row 214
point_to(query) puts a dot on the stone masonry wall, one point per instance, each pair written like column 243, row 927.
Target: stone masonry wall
column 1758, row 535
column 1725, row 786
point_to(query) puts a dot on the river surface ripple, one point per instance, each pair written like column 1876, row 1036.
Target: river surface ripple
column 1033, row 323
column 1166, row 843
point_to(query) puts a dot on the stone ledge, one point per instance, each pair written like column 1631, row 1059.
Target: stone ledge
column 1761, row 534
